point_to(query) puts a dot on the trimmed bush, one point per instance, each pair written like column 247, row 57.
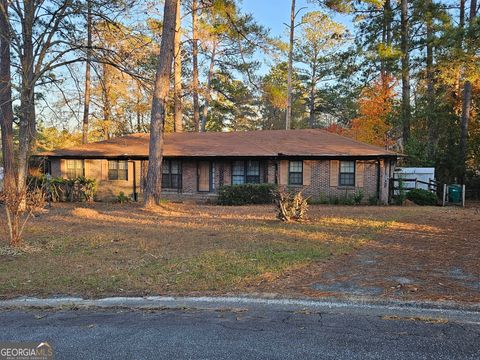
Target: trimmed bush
column 246, row 194
column 422, row 197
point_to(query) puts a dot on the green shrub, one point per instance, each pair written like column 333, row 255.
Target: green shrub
column 64, row 190
column 246, row 194
column 358, row 196
column 422, row 197
column 346, row 199
column 333, row 200
column 399, row 199
column 122, row 198
column 373, row 200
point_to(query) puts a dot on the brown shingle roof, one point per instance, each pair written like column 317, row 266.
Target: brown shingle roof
column 305, row 142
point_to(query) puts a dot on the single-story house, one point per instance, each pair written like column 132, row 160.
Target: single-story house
column 196, row 164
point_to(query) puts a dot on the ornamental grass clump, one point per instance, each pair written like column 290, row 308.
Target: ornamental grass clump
column 290, row 206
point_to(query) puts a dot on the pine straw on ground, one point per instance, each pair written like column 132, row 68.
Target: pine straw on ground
column 429, row 253
column 112, row 249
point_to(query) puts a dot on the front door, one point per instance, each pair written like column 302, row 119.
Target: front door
column 204, row 176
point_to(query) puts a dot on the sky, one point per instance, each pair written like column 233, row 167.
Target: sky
column 274, row 14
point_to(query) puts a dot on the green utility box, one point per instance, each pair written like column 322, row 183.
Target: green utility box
column 455, row 193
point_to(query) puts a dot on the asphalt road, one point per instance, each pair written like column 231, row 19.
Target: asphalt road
column 256, row 333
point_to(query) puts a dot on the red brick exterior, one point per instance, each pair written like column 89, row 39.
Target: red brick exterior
column 320, row 187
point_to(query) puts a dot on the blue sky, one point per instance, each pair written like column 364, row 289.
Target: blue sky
column 274, row 14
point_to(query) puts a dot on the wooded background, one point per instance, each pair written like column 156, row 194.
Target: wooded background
column 403, row 74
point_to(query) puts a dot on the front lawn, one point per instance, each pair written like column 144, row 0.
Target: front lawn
column 94, row 250
column 104, row 249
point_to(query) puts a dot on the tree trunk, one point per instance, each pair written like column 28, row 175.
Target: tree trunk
column 196, row 106
column 288, row 115
column 27, row 126
column 138, row 113
column 405, row 48
column 153, row 189
column 385, row 64
column 86, row 101
column 311, row 119
column 106, row 108
column 209, row 87
column 177, row 76
column 383, row 70
column 6, row 110
column 431, row 116
column 466, row 102
column 10, row 188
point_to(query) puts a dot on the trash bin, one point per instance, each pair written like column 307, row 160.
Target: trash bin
column 455, row 193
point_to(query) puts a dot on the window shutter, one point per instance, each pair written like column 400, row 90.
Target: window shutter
column 87, row 171
column 307, row 172
column 104, row 169
column 283, row 172
column 359, row 173
column 334, row 164
column 63, row 166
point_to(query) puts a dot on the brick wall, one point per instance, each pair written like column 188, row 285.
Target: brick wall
column 107, row 190
column 320, row 183
column 321, row 187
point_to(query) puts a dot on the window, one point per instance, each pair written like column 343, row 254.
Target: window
column 238, row 173
column 253, row 172
column 46, row 167
column 347, row 173
column 246, row 172
column 171, row 174
column 117, row 170
column 295, row 173
column 75, row 168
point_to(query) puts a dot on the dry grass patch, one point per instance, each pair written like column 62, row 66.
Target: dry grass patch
column 106, row 249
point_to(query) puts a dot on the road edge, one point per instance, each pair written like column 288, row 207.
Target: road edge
column 402, row 309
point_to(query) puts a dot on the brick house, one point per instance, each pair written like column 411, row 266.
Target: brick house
column 197, row 164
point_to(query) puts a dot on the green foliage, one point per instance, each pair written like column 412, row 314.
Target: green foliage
column 64, row 190
column 373, row 200
column 333, row 200
column 233, row 107
column 50, row 138
column 344, row 199
column 274, row 98
column 401, row 196
column 122, row 198
column 422, row 197
column 416, row 150
column 246, row 194
column 358, row 196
